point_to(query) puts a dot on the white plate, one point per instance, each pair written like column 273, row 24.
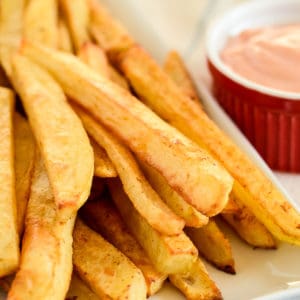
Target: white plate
column 160, row 26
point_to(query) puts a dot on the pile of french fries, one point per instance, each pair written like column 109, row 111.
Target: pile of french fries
column 113, row 178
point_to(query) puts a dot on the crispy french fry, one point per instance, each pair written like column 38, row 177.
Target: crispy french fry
column 59, row 133
column 108, row 33
column 174, row 66
column 169, row 254
column 40, row 22
column 251, row 187
column 109, row 273
column 11, row 24
column 231, row 207
column 246, row 225
column 77, row 13
column 103, row 167
column 46, row 260
column 9, row 239
column 64, row 38
column 196, row 284
column 103, row 217
column 213, row 245
column 188, row 213
column 24, row 162
column 189, row 170
column 95, row 57
column 145, row 200
column 78, row 290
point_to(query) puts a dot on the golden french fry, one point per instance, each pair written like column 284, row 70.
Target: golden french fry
column 11, row 26
column 188, row 213
column 213, row 245
column 78, row 290
column 59, row 133
column 175, row 67
column 145, row 200
column 169, row 254
column 46, row 260
column 196, row 284
column 103, row 167
column 64, row 38
column 95, row 57
column 109, row 273
column 231, row 206
column 103, row 217
column 108, row 33
column 77, row 13
column 9, row 239
column 24, row 162
column 40, row 22
column 246, row 225
column 189, row 170
column 251, row 187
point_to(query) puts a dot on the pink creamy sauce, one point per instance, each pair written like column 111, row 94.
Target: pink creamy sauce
column 269, row 56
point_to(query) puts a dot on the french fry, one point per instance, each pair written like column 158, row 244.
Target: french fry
column 64, row 38
column 108, row 33
column 63, row 141
column 95, row 57
column 103, row 166
column 24, row 162
column 103, row 217
column 175, row 68
column 251, row 187
column 77, row 14
column 40, row 22
column 213, row 245
column 11, row 26
column 188, row 213
column 109, row 273
column 78, row 290
column 9, row 239
column 145, row 200
column 189, row 170
column 169, row 254
column 46, row 259
column 246, row 225
column 231, row 207
column 196, row 284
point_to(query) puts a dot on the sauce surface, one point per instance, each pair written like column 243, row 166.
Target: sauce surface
column 269, row 56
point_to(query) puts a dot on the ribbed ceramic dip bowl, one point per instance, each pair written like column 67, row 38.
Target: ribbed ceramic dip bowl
column 269, row 117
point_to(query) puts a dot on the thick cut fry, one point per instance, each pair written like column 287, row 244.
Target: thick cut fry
column 196, row 284
column 64, row 38
column 246, row 225
column 24, row 161
column 11, row 24
column 103, row 217
column 77, row 13
column 40, row 22
column 78, row 290
column 174, row 66
column 103, row 166
column 188, row 213
column 189, row 170
column 46, row 260
column 251, row 187
column 63, row 141
column 9, row 239
column 95, row 57
column 108, row 33
column 169, row 254
column 108, row 272
column 145, row 200
column 213, row 245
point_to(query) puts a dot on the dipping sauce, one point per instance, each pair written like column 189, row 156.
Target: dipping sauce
column 269, row 56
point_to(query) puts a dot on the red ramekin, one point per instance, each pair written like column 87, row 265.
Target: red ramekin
column 269, row 118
